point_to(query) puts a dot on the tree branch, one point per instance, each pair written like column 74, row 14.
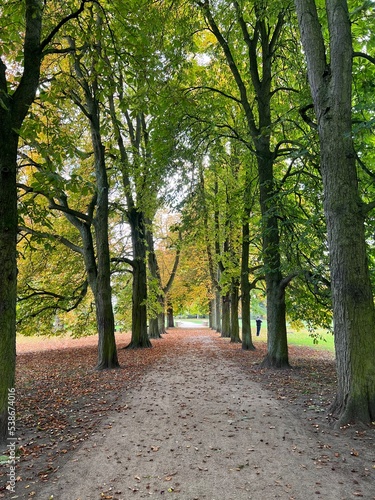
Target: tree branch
column 56, row 29
column 233, row 68
column 69, row 211
column 367, row 207
column 365, row 56
column 364, row 167
column 124, row 260
column 284, row 89
column 169, row 284
column 214, row 89
column 306, row 118
column 56, row 307
column 50, row 236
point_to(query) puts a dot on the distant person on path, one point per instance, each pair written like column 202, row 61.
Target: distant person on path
column 259, row 324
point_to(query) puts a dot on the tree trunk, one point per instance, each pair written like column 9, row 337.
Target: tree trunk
column 218, row 311
column 99, row 283
column 139, row 336
column 211, row 316
column 161, row 317
column 154, row 329
column 170, row 316
column 226, row 324
column 235, row 329
column 8, row 273
column 247, row 343
column 353, row 306
column 107, row 352
column 277, row 344
column 156, row 324
column 277, row 347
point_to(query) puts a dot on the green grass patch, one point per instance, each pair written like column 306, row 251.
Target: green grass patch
column 324, row 340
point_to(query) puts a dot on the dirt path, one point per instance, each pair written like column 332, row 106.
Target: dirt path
column 197, row 428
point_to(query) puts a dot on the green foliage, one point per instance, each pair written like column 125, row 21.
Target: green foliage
column 192, row 151
column 53, row 298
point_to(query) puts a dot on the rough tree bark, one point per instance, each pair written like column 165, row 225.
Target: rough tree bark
column 139, row 336
column 353, row 306
column 170, row 315
column 234, row 302
column 13, row 110
column 277, row 344
column 8, row 274
column 107, row 352
column 225, row 315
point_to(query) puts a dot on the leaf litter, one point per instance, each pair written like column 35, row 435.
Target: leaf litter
column 63, row 402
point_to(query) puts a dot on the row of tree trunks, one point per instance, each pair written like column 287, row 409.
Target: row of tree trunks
column 260, row 134
column 224, row 312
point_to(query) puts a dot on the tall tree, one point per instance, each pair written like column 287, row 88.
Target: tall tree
column 80, row 88
column 330, row 78
column 16, row 99
column 260, row 37
column 89, row 80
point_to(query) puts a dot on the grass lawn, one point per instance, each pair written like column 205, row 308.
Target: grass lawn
column 303, row 338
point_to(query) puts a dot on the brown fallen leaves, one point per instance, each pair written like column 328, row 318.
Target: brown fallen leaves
column 61, row 400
